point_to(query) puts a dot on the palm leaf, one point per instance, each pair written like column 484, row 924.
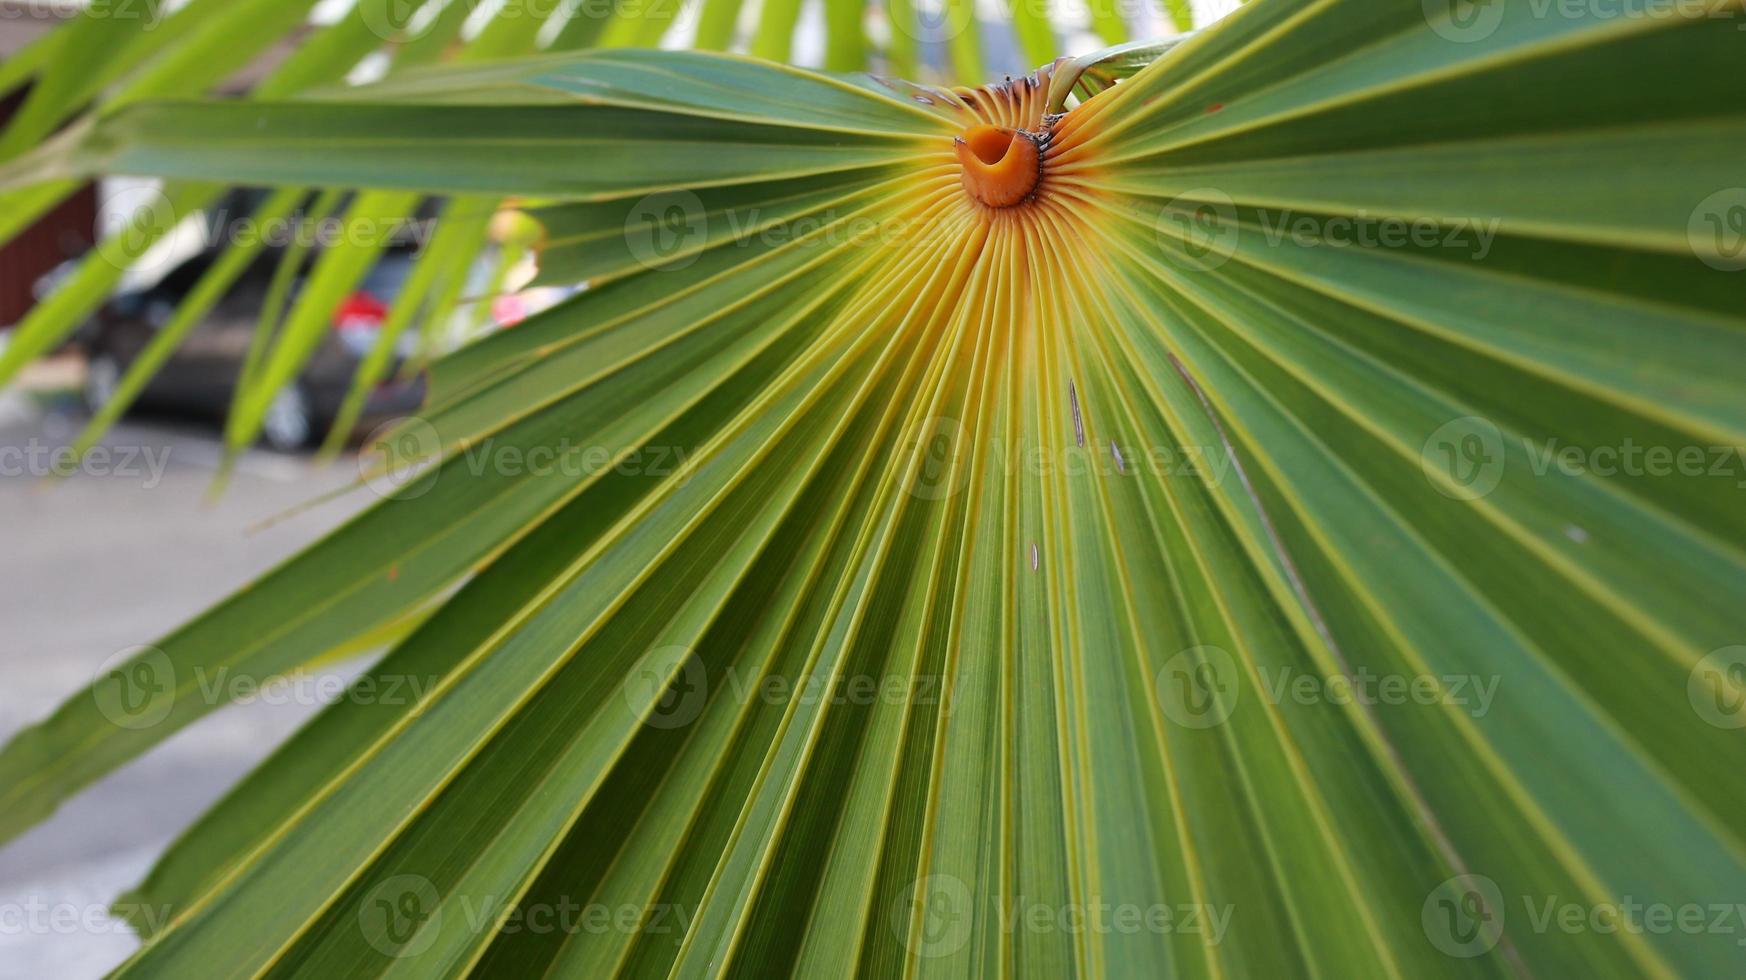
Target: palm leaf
column 939, row 584
column 146, row 51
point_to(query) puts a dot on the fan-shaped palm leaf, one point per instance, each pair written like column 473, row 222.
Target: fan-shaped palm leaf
column 119, row 54
column 1177, row 569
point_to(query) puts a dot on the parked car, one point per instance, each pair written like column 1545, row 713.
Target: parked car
column 200, row 378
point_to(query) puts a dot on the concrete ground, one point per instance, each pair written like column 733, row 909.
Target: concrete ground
column 110, row 559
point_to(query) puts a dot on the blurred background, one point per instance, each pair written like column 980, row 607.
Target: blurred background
column 95, row 563
column 118, row 549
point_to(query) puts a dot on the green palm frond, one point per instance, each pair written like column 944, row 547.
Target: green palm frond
column 1221, row 562
column 113, row 55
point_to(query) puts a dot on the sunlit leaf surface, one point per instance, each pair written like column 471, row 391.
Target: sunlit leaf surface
column 1221, row 560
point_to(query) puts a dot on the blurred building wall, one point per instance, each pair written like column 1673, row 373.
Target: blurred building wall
column 69, row 229
column 63, row 233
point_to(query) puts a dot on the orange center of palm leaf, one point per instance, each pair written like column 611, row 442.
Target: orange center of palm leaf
column 1001, row 166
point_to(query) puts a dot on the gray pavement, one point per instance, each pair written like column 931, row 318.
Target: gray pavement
column 114, row 557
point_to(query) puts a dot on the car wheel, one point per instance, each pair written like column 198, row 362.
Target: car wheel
column 102, row 381
column 288, row 425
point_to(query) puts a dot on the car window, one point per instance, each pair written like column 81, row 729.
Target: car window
column 183, row 277
column 388, row 278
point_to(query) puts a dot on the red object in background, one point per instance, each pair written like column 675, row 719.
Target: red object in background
column 360, row 311
column 509, row 310
column 68, row 230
